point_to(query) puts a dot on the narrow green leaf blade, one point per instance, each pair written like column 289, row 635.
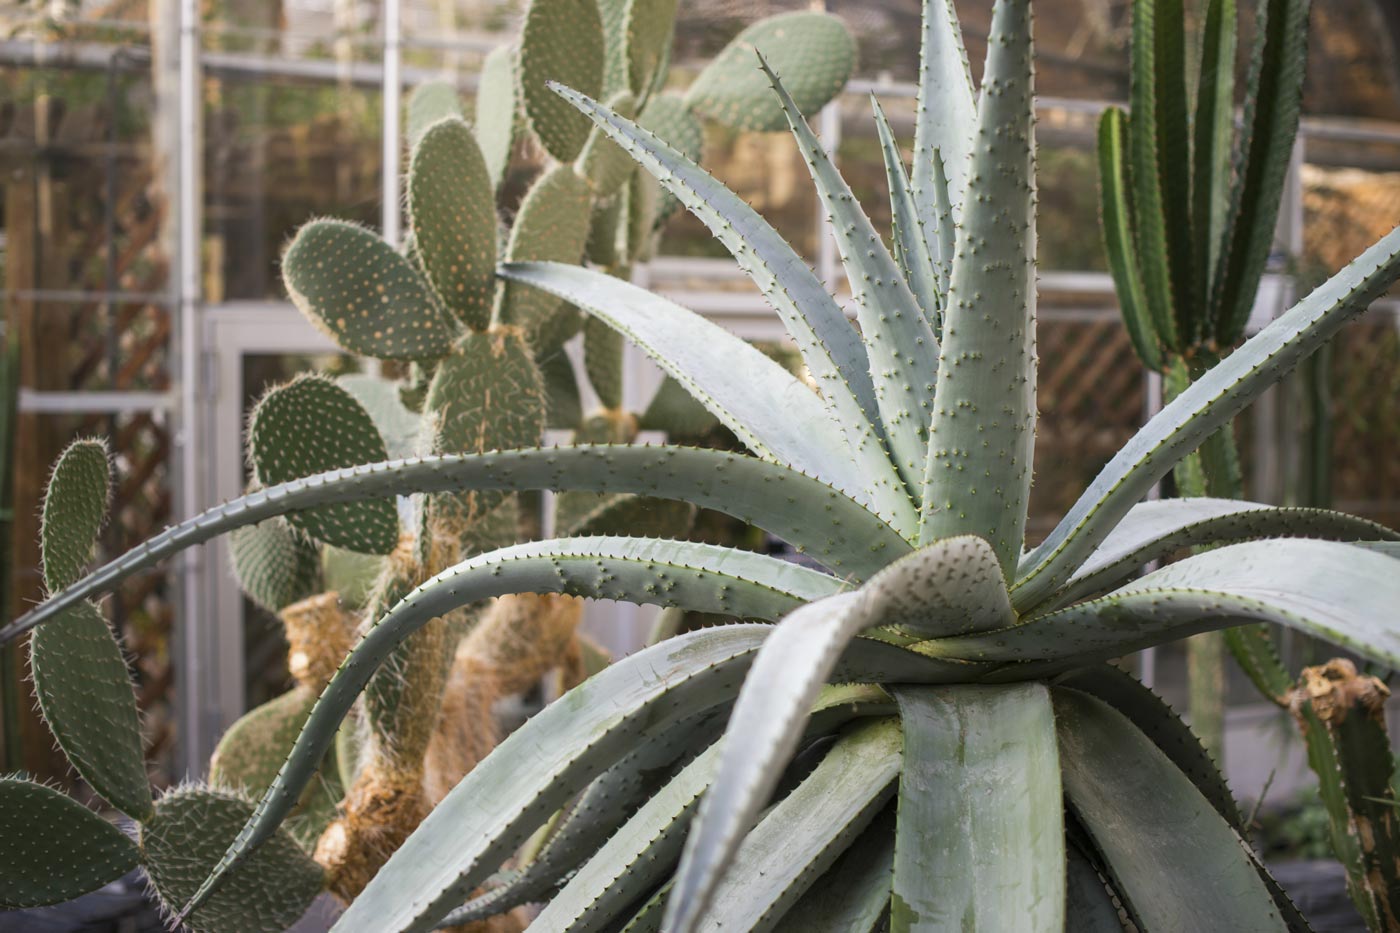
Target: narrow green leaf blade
column 898, row 337
column 1116, row 216
column 853, row 896
column 980, row 841
column 911, row 246
column 981, row 442
column 1194, row 415
column 1141, row 811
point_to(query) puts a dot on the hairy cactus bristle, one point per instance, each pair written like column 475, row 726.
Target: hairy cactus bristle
column 320, row 633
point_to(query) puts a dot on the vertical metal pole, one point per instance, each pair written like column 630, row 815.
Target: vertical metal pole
column 391, row 91
column 198, row 677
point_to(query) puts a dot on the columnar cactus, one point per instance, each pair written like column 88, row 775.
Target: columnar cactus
column 978, row 764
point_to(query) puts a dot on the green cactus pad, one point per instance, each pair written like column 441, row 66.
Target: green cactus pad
column 54, row 848
column 562, row 41
column 602, row 359
column 310, row 425
column 614, row 18
column 563, row 409
column 488, row 395
column 362, row 294
column 603, row 162
column 650, row 25
column 452, row 204
column 669, row 117
column 414, row 388
column 812, row 52
column 275, row 566
column 251, row 752
column 350, row 575
column 644, row 204
column 497, row 111
column 674, row 410
column 603, row 248
column 635, row 516
column 74, row 509
column 552, row 225
column 383, row 401
column 85, row 696
column 430, row 102
column 573, row 508
column 182, row 843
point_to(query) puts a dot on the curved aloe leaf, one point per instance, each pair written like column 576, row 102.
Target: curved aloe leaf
column 947, row 117
column 833, row 529
column 829, row 345
column 1089, row 906
column 911, row 246
column 853, row 895
column 1159, row 528
column 803, row 835
column 1339, row 592
column 978, row 465
column 770, row 410
column 787, row 676
column 1137, row 807
column 1195, row 414
column 898, row 338
column 980, row 842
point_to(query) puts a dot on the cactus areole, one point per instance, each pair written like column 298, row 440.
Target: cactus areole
column 923, row 734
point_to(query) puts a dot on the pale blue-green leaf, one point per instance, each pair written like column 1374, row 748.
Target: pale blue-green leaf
column 833, row 529
column 982, row 437
column 853, row 896
column 911, row 247
column 1175, row 861
column 947, row 117
column 1195, row 414
column 1088, row 904
column 775, row 414
column 980, row 841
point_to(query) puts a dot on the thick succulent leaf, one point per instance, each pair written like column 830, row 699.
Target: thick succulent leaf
column 633, row 861
column 75, row 506
column 1115, row 211
column 831, row 528
column 1214, row 129
column 667, row 116
column 1139, row 808
column 311, row 425
column 980, row 841
column 182, row 842
column 86, row 698
column 830, row 347
column 1160, row 723
column 362, row 294
column 813, row 49
column 982, row 437
column 605, row 165
column 947, row 117
column 1158, row 149
column 768, row 718
column 497, row 110
column 911, row 246
column 1334, row 591
column 430, row 102
column 54, row 848
column 1089, row 906
column 853, row 895
column 453, row 208
column 1159, row 528
column 944, row 237
column 1195, row 414
column 949, row 588
column 801, row 837
column 898, row 338
column 554, row 755
column 552, row 224
column 771, row 411
column 1273, row 102
column 562, row 40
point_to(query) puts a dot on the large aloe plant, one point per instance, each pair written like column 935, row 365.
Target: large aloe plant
column 980, row 766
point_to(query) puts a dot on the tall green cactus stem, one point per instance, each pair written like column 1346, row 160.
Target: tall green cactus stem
column 80, row 676
column 54, row 849
column 812, row 51
column 562, row 41
column 983, row 432
column 453, row 211
column 1342, row 717
column 552, row 225
column 362, row 294
column 310, row 425
column 183, row 840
